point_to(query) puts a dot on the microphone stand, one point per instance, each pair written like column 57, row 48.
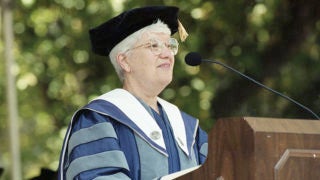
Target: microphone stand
column 264, row 86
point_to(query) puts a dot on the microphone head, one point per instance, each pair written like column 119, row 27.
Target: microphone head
column 193, row 59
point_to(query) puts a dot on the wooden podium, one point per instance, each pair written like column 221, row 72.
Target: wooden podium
column 251, row 148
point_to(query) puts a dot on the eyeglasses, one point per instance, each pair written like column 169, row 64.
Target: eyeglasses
column 156, row 46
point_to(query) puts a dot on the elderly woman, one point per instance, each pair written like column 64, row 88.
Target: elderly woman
column 131, row 133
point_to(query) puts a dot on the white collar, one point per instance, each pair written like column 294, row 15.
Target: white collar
column 129, row 105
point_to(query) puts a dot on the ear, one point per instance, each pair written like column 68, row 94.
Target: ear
column 123, row 62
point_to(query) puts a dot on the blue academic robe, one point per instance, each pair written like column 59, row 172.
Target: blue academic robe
column 116, row 136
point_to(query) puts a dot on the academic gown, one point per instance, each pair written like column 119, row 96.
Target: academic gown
column 117, row 136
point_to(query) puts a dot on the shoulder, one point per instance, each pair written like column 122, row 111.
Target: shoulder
column 85, row 118
column 100, row 111
column 188, row 116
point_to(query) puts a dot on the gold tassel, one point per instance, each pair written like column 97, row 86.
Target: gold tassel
column 182, row 32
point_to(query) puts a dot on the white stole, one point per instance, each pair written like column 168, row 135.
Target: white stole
column 130, row 106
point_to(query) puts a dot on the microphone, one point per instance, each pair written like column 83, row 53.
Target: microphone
column 195, row 59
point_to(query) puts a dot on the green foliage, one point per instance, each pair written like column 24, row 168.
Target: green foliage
column 276, row 42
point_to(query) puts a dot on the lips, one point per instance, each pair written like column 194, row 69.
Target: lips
column 165, row 65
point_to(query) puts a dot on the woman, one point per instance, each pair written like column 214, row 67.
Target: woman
column 131, row 133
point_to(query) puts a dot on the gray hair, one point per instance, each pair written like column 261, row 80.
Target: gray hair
column 131, row 40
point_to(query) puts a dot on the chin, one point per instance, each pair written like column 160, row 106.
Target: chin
column 166, row 82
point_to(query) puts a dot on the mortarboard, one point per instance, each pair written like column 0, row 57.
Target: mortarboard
column 107, row 35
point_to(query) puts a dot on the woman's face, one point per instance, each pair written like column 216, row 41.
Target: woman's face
column 149, row 68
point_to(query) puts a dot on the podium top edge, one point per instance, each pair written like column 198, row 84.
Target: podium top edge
column 302, row 126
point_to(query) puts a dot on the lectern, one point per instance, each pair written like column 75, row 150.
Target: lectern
column 251, row 148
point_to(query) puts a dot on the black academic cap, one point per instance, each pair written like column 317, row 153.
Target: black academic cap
column 109, row 34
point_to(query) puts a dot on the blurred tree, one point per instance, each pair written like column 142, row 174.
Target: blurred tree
column 276, row 42
column 281, row 48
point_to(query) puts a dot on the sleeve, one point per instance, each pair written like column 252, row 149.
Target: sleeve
column 202, row 143
column 93, row 150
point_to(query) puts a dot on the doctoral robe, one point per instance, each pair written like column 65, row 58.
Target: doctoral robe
column 117, row 136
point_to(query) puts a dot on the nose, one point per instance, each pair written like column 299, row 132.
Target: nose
column 166, row 52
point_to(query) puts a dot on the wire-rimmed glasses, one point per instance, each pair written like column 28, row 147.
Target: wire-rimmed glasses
column 156, row 46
